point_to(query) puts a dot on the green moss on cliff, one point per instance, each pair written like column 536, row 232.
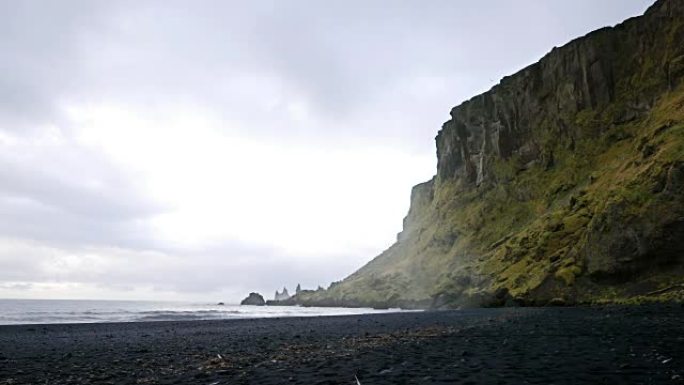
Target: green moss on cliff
column 585, row 203
column 519, row 234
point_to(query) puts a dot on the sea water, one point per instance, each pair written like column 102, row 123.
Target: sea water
column 34, row 311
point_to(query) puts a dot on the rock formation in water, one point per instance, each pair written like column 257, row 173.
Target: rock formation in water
column 281, row 296
column 562, row 184
column 254, row 299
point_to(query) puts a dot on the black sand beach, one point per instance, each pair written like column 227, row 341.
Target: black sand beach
column 615, row 345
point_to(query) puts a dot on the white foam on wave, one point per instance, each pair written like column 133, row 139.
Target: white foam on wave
column 14, row 312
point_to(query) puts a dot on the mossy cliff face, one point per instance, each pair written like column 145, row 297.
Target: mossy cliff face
column 564, row 182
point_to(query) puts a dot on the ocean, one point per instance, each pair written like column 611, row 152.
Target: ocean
column 33, row 311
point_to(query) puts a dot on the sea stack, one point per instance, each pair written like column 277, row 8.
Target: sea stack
column 282, row 296
column 255, row 299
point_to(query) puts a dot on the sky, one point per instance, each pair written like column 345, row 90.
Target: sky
column 200, row 150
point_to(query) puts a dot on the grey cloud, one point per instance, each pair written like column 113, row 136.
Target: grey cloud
column 340, row 56
column 26, row 219
column 66, row 193
column 85, row 186
column 40, row 61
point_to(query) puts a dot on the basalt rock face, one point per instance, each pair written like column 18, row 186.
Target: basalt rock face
column 628, row 67
column 562, row 184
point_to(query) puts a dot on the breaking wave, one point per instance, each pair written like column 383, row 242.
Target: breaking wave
column 82, row 311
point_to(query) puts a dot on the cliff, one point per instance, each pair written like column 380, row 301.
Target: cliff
column 564, row 183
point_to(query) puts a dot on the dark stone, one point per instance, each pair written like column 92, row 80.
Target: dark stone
column 501, row 293
column 255, row 299
column 648, row 150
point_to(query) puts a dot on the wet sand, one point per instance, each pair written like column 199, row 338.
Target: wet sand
column 614, row 345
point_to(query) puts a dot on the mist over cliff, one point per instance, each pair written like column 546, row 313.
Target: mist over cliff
column 562, row 184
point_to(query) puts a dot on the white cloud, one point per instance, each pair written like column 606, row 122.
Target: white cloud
column 222, row 185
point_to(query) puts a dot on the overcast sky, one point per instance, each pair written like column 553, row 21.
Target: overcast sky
column 199, row 150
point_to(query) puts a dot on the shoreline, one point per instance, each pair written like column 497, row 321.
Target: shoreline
column 246, row 318
column 43, row 312
column 564, row 345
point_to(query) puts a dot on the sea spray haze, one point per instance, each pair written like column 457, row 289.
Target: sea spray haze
column 562, row 184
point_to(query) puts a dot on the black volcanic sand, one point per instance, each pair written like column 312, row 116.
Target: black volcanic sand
column 639, row 345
